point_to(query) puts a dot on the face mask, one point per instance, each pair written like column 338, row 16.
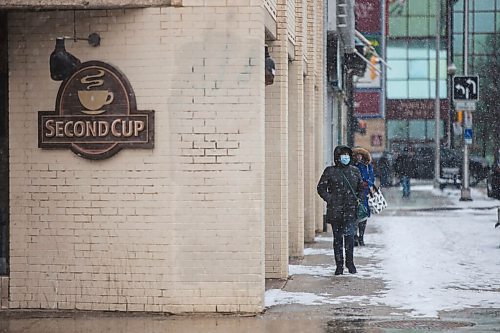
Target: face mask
column 345, row 159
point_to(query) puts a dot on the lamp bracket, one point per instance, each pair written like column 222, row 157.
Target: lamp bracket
column 94, row 39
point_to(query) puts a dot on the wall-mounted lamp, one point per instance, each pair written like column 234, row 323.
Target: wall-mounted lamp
column 270, row 68
column 63, row 63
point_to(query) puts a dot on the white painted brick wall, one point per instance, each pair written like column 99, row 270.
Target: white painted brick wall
column 178, row 228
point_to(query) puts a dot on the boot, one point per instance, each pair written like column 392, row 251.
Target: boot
column 356, row 240
column 339, row 261
column 349, row 254
column 362, row 227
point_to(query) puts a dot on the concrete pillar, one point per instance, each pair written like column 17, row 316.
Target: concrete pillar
column 276, row 169
column 296, row 153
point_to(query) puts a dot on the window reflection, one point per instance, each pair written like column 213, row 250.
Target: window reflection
column 484, row 22
column 413, row 130
column 414, row 61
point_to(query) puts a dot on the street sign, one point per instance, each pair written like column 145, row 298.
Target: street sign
column 468, row 136
column 466, row 88
column 465, row 105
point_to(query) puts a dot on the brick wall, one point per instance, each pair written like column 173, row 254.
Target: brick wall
column 175, row 229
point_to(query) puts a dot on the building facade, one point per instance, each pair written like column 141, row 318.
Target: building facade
column 411, row 74
column 216, row 197
column 483, row 56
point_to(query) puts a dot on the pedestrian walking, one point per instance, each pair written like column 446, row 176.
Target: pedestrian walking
column 403, row 168
column 340, row 186
column 363, row 161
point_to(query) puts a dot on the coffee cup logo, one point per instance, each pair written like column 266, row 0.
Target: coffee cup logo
column 94, row 100
column 96, row 114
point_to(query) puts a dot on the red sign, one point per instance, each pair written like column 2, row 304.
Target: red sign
column 367, row 103
column 414, row 109
column 368, row 15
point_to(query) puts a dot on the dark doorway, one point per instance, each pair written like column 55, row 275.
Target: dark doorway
column 4, row 148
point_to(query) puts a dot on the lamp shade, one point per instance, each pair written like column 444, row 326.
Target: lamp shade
column 62, row 63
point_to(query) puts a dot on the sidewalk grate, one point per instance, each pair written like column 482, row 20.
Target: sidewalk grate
column 421, row 324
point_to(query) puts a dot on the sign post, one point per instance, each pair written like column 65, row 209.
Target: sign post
column 466, row 88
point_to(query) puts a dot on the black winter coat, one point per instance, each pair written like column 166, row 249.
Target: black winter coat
column 341, row 202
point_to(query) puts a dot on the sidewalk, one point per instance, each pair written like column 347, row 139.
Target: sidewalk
column 314, row 291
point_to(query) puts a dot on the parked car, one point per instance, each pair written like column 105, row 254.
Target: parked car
column 493, row 182
column 451, row 165
column 450, row 171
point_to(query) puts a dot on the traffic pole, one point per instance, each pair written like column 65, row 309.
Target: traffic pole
column 437, row 103
column 465, row 190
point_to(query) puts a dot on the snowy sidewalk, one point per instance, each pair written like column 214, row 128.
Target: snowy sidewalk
column 427, row 257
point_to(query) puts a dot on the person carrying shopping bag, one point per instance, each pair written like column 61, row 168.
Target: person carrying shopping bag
column 340, row 186
column 363, row 161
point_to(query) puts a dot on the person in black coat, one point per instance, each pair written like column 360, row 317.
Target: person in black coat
column 404, row 168
column 341, row 187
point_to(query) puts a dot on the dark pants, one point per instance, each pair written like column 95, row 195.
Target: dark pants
column 405, row 182
column 343, row 238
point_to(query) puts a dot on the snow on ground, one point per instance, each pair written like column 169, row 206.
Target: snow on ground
column 430, row 261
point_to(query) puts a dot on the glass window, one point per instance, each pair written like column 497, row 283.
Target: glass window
column 484, row 5
column 398, row 26
column 458, row 44
column 397, row 129
column 417, row 129
column 458, row 21
column 459, row 6
column 418, row 89
column 418, row 69
column 418, row 49
column 459, row 62
column 398, row 70
column 418, row 26
column 480, row 62
column 442, row 89
column 397, row 89
column 397, row 50
column 442, row 68
column 420, row 7
column 484, row 22
column 484, row 43
column 431, row 129
column 432, row 51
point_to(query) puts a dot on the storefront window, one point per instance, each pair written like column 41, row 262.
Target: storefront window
column 413, row 130
column 397, row 129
